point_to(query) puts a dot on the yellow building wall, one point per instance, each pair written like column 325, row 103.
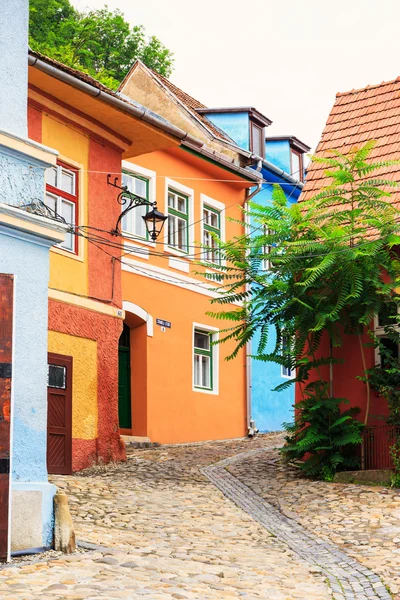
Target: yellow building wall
column 69, row 273
column 84, row 381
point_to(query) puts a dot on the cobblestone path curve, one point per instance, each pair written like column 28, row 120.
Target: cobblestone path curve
column 347, row 578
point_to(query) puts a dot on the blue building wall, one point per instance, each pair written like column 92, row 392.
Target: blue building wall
column 277, row 152
column 236, row 125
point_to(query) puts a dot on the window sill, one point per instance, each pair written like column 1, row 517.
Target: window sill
column 67, row 253
column 205, row 391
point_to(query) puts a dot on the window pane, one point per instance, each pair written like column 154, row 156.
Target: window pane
column 56, row 376
column 385, row 314
column 51, row 201
column 171, row 200
column 296, row 166
column 205, row 371
column 171, row 229
column 68, row 181
column 201, row 340
column 182, row 233
column 214, row 220
column 181, row 204
column 391, row 347
column 197, row 370
column 138, row 223
column 51, row 176
column 127, row 180
column 68, row 213
column 140, row 188
column 257, row 135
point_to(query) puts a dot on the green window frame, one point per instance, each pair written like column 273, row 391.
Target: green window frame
column 178, row 220
column 211, row 224
column 202, row 360
column 132, row 222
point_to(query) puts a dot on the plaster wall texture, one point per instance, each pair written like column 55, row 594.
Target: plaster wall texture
column 21, row 179
column 84, row 381
column 14, row 65
column 103, row 331
column 278, row 153
column 236, row 125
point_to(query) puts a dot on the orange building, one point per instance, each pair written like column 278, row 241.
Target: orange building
column 175, row 385
column 93, row 130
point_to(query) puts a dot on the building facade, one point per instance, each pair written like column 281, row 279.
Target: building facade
column 175, row 384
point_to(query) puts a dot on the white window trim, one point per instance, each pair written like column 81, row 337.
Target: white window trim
column 80, row 255
column 293, row 371
column 189, row 192
column 151, row 176
column 220, row 206
column 215, row 359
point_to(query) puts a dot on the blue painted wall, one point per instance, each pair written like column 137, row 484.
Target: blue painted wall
column 236, row 125
column 277, row 152
column 270, row 409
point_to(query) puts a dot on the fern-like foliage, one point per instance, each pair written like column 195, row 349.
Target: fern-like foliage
column 312, row 271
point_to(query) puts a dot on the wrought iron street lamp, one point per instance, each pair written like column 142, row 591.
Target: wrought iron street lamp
column 154, row 219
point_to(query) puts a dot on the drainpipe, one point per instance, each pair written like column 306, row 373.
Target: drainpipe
column 251, row 425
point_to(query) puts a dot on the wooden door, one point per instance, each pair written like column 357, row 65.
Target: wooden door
column 124, row 380
column 6, row 329
column 59, row 414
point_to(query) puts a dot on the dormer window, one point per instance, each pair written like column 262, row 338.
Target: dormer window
column 257, row 136
column 296, row 164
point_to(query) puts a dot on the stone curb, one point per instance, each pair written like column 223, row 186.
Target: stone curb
column 348, row 579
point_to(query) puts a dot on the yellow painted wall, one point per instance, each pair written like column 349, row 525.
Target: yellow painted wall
column 84, row 381
column 68, row 273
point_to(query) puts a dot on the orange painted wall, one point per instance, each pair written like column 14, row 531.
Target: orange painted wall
column 164, row 405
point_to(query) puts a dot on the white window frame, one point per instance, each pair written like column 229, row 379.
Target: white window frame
column 134, row 169
column 215, row 358
column 283, row 368
column 189, row 193
column 220, row 207
column 379, row 331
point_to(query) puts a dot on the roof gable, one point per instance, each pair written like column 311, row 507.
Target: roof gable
column 156, row 92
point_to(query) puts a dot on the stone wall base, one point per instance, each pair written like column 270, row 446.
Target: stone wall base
column 32, row 515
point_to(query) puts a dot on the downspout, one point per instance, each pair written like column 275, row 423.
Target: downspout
column 251, row 425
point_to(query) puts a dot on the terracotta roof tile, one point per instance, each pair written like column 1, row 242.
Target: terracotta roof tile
column 372, row 112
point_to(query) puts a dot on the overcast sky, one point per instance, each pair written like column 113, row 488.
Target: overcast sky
column 288, row 58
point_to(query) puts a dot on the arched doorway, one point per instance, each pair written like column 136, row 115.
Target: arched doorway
column 124, row 379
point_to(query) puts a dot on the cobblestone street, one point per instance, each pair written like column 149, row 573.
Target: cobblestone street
column 167, row 531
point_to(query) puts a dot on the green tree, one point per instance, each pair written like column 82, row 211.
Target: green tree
column 99, row 42
column 332, row 267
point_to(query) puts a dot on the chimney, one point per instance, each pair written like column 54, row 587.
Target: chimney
column 14, row 17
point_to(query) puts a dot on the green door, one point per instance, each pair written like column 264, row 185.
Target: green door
column 124, row 381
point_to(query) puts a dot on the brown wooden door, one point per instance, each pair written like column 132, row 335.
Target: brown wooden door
column 59, row 415
column 6, row 328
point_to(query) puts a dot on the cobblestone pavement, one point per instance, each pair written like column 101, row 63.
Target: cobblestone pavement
column 362, row 521
column 167, row 533
column 171, row 534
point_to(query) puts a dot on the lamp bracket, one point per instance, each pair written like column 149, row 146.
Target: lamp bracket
column 125, row 197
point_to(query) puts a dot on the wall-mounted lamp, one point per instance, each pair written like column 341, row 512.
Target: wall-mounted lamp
column 154, row 219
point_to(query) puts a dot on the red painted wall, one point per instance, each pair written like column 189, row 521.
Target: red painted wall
column 105, row 330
